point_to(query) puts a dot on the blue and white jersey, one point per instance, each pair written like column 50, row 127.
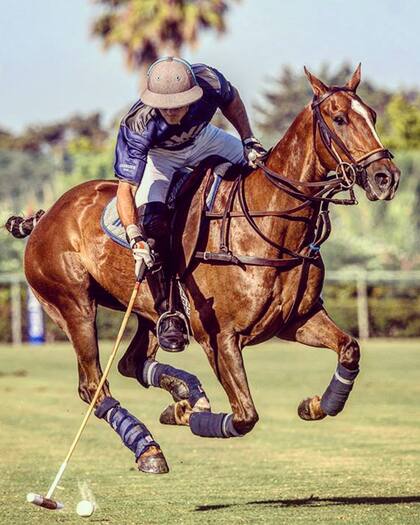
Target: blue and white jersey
column 144, row 127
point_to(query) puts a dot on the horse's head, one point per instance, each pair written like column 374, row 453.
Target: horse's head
column 346, row 139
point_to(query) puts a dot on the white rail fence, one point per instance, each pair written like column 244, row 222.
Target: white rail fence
column 361, row 278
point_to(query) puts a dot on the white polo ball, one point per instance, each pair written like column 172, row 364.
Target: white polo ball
column 85, row 508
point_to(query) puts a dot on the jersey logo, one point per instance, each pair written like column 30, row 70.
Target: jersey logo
column 185, row 136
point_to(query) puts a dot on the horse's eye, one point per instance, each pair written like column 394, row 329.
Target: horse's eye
column 339, row 120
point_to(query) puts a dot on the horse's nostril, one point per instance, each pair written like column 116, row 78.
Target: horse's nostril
column 382, row 179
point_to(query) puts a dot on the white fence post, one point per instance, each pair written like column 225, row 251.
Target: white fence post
column 362, row 306
column 16, row 312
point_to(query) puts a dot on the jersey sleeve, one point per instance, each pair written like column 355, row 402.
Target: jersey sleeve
column 132, row 149
column 226, row 92
column 214, row 84
column 130, row 157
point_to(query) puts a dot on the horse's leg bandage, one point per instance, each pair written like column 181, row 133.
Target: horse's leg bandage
column 338, row 390
column 207, row 424
column 134, row 433
column 180, row 384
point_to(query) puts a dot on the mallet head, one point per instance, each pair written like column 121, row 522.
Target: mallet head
column 47, row 503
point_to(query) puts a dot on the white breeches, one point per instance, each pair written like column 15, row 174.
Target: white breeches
column 162, row 163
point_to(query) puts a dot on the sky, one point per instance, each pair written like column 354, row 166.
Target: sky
column 51, row 68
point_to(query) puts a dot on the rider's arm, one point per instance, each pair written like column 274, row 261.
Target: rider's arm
column 127, row 211
column 236, row 114
column 130, row 160
column 125, row 203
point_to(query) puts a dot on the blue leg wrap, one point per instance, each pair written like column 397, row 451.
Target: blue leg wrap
column 133, row 432
column 207, row 424
column 338, row 390
column 180, row 384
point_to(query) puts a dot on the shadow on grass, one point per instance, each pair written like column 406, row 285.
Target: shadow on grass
column 314, row 501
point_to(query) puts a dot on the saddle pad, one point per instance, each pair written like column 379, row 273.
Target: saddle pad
column 112, row 225
column 110, row 220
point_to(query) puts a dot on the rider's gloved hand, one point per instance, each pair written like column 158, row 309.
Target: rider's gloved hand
column 142, row 254
column 139, row 247
column 253, row 150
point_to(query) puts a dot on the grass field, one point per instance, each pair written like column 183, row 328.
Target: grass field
column 362, row 467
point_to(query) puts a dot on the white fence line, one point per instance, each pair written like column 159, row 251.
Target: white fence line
column 361, row 278
column 374, row 276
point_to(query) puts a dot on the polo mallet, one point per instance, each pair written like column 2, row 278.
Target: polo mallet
column 47, row 502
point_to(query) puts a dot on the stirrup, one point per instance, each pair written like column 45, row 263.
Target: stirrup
column 185, row 332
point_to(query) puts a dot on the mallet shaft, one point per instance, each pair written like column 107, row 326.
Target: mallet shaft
column 56, row 479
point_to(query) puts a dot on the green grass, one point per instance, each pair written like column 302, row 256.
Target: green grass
column 362, row 467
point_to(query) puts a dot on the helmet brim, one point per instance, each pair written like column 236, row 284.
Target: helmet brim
column 173, row 100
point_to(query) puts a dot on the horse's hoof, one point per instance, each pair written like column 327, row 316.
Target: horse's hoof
column 168, row 415
column 310, row 409
column 177, row 414
column 153, row 463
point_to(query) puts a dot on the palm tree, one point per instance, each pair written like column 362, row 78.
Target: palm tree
column 146, row 29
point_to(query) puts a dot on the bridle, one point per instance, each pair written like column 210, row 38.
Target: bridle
column 347, row 174
column 352, row 170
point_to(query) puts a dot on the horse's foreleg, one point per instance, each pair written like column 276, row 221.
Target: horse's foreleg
column 228, row 365
column 185, row 388
column 320, row 331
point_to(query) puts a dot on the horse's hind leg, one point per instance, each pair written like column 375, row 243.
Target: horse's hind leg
column 185, row 388
column 78, row 321
column 320, row 331
column 76, row 314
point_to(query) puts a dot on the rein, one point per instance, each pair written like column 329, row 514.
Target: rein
column 346, row 175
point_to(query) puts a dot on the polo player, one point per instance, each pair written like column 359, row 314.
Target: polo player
column 166, row 130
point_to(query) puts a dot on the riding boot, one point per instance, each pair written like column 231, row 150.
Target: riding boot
column 170, row 328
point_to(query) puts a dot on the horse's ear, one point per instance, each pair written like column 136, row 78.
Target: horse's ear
column 355, row 79
column 318, row 87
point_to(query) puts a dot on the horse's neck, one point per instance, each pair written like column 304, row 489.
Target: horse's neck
column 294, row 156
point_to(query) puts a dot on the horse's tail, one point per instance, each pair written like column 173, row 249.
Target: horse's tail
column 21, row 227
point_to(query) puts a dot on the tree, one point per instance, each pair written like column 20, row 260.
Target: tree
column 400, row 128
column 21, row 173
column 145, row 29
column 379, row 235
column 56, row 136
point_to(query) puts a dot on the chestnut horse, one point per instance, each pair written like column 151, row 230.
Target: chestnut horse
column 260, row 277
